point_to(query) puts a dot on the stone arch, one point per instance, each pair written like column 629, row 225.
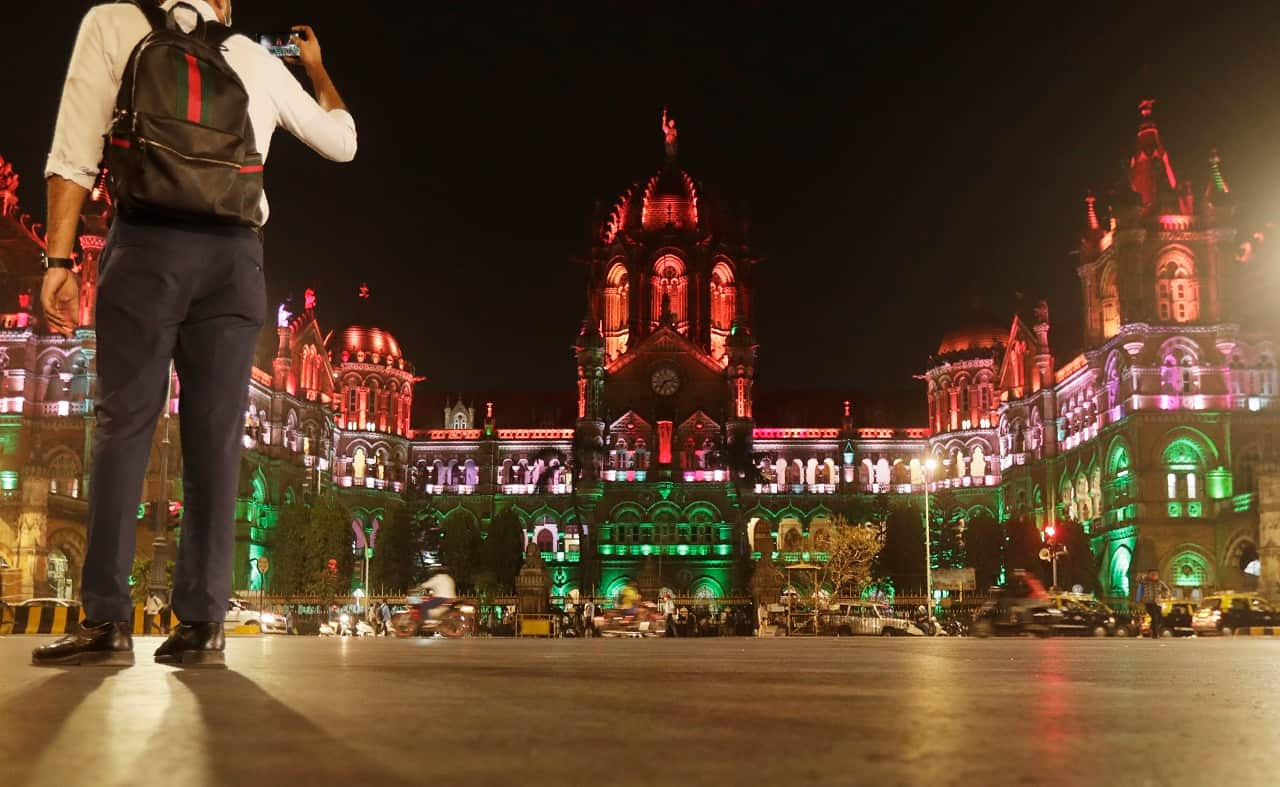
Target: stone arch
column 1119, row 457
column 1118, row 569
column 706, row 588
column 1188, row 565
column 1194, row 439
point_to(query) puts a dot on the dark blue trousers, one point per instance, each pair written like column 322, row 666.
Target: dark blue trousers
column 195, row 295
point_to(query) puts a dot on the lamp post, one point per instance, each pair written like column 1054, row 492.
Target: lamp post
column 157, row 584
column 929, row 465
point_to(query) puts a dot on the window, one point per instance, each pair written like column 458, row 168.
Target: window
column 723, row 308
column 459, row 420
column 1177, row 291
column 1191, row 486
column 1173, row 486
column 617, row 311
column 669, row 288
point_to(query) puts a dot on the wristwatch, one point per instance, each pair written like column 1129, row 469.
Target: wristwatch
column 56, row 262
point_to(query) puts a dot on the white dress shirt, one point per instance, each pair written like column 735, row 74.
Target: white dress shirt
column 108, row 35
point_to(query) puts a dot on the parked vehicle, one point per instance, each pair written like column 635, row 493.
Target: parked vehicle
column 1085, row 616
column 1224, row 613
column 863, row 618
column 240, row 614
column 1176, row 619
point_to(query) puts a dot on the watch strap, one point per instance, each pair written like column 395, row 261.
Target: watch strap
column 58, row 262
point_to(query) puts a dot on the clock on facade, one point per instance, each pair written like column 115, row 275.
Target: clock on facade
column 665, row 381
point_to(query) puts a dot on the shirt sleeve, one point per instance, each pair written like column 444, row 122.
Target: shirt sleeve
column 332, row 134
column 84, row 115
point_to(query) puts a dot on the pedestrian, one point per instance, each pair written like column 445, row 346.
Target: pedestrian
column 1151, row 591
column 180, row 280
column 589, row 618
column 384, row 613
column 762, row 618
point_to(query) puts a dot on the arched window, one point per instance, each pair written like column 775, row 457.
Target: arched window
column 669, row 286
column 1184, row 464
column 357, row 466
column 723, row 306
column 1109, row 302
column 64, row 474
column 617, row 311
column 1264, row 377
column 978, row 467
column 1177, row 291
column 459, row 420
column 1179, row 374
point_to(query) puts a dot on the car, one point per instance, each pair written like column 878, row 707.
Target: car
column 241, row 615
column 1224, row 613
column 867, row 618
column 48, row 602
column 1084, row 615
column 1176, row 618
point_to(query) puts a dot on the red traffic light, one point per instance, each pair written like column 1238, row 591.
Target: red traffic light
column 1050, row 531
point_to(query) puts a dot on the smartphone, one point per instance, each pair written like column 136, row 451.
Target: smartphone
column 280, row 44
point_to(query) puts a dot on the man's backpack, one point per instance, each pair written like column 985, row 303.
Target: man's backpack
column 181, row 146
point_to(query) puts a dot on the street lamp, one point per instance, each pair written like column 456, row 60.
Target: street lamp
column 929, row 465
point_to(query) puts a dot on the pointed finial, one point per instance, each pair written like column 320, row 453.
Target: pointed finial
column 1091, row 210
column 1219, row 184
column 364, row 290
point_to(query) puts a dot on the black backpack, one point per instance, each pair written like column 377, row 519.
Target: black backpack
column 181, row 147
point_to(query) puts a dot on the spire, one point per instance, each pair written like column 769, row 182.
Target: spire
column 1217, row 189
column 1091, row 210
column 1150, row 173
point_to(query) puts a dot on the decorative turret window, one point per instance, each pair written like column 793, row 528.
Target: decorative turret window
column 670, row 287
column 617, row 310
column 723, row 306
column 1179, row 373
column 1109, row 302
column 1177, row 290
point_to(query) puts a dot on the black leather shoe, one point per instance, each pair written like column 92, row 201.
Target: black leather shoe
column 101, row 644
column 194, row 645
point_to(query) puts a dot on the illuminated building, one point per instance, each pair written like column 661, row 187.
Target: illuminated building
column 1155, row 438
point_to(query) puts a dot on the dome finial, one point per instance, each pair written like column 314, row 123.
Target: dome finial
column 1091, row 210
column 669, row 134
column 364, row 291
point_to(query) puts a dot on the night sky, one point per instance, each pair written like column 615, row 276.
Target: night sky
column 900, row 171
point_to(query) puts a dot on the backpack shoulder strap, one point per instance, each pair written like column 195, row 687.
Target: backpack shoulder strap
column 217, row 33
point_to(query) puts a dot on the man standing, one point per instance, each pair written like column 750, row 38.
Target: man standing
column 185, row 291
column 1151, row 591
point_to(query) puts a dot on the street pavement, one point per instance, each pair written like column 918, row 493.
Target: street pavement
column 317, row 712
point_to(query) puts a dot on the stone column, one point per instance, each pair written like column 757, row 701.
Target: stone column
column 1269, row 530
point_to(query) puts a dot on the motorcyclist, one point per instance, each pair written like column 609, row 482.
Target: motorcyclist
column 925, row 622
column 439, row 590
column 1022, row 593
column 629, row 599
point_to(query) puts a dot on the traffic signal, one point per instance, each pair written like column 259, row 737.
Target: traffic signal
column 1050, row 533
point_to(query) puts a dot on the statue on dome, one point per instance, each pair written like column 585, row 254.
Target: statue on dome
column 669, row 134
column 283, row 316
column 309, row 300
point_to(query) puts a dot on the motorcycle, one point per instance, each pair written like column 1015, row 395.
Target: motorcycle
column 453, row 620
column 1007, row 618
column 346, row 626
column 645, row 621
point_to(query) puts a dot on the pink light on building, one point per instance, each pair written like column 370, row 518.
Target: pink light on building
column 664, row 442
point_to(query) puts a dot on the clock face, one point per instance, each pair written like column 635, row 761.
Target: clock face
column 665, row 381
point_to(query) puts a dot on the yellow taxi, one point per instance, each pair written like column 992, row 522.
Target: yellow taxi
column 1225, row 612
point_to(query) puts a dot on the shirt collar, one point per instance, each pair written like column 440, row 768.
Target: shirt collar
column 202, row 7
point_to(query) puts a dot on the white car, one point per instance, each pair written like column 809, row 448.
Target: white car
column 241, row 614
column 866, row 618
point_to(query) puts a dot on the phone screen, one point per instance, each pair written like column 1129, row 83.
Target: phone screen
column 279, row 44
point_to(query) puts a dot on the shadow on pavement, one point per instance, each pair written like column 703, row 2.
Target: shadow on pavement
column 249, row 735
column 36, row 715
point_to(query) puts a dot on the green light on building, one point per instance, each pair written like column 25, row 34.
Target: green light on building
column 682, row 550
column 725, row 549
column 8, row 480
column 1219, row 483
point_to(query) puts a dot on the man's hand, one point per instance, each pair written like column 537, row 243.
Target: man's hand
column 59, row 295
column 308, row 47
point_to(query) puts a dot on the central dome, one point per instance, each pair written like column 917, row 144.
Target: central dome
column 670, row 200
column 370, row 341
column 970, row 338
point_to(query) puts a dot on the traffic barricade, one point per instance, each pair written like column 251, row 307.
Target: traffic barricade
column 532, row 625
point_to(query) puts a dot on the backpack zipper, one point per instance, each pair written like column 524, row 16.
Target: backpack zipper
column 179, row 154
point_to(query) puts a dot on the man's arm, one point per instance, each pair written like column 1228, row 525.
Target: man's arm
column 322, row 123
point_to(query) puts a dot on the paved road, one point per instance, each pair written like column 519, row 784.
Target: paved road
column 318, row 712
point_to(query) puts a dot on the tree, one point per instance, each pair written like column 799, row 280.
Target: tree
column 946, row 539
column 391, row 568
column 902, row 558
column 1076, row 566
column 460, row 546
column 851, row 550
column 1024, row 545
column 503, row 549
column 329, row 538
column 984, row 544
column 290, row 561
